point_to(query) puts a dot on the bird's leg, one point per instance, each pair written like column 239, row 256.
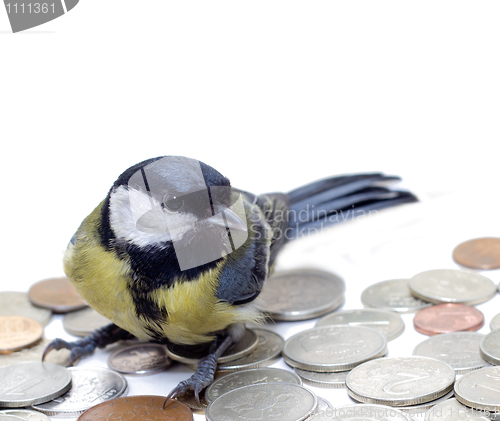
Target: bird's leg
column 99, row 338
column 206, row 367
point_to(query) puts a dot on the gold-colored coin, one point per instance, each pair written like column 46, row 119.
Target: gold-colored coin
column 18, row 332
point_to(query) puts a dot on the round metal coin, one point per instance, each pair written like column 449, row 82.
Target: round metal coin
column 140, row 359
column 445, row 318
column 267, row 352
column 25, row 384
column 363, row 412
column 326, row 380
column 265, row 401
column 247, row 377
column 479, row 253
column 452, row 410
column 57, row 294
column 7, row 417
column 190, row 355
column 83, row 322
column 400, row 381
column 459, row 350
column 480, row 390
column 301, row 294
column 189, row 399
column 26, row 414
column 13, row 303
column 34, row 353
column 490, row 347
column 18, row 332
column 452, row 286
column 386, row 322
column 333, row 348
column 424, row 407
column 138, row 408
column 90, row 387
column 392, row 295
column 495, row 322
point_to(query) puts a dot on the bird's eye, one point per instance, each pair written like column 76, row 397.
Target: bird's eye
column 172, row 202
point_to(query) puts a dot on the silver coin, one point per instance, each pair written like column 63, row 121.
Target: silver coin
column 189, row 399
column 323, row 405
column 26, row 414
column 267, row 352
column 84, row 322
column 386, row 322
column 29, row 383
column 495, row 322
column 362, row 412
column 7, row 417
column 301, row 294
column 452, row 286
column 265, row 401
column 324, row 379
column 244, row 347
column 91, row 386
column 400, row 381
column 490, row 347
column 35, row 353
column 247, row 377
column 140, row 359
column 392, row 295
column 452, row 410
column 333, row 348
column 13, row 303
column 460, row 350
column 424, row 407
column 480, row 389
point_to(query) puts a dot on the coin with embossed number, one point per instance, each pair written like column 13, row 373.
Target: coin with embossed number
column 363, row 412
column 191, row 354
column 326, row 380
column 400, row 381
column 34, row 353
column 452, row 286
column 265, row 401
column 333, row 348
column 386, row 322
column 267, row 352
column 26, row 414
column 14, row 303
column 90, row 387
column 83, row 322
column 246, row 377
column 301, row 294
column 444, row 318
column 490, row 347
column 479, row 253
column 57, row 294
column 452, row 410
column 141, row 359
column 480, row 389
column 25, row 384
column 18, row 332
column 138, row 408
column 392, row 295
column 460, row 350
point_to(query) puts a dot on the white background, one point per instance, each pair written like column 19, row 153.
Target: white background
column 273, row 95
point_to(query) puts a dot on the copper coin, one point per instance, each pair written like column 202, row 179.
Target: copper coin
column 57, row 294
column 479, row 253
column 445, row 318
column 18, row 332
column 138, row 408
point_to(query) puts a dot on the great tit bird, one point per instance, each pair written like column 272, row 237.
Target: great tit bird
column 175, row 254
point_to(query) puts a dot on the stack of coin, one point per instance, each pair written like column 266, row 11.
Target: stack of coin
column 301, row 294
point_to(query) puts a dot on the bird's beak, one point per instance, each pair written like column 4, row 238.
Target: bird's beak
column 226, row 218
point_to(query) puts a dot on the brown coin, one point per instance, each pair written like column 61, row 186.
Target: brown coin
column 479, row 253
column 138, row 408
column 57, row 294
column 18, row 332
column 445, row 318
